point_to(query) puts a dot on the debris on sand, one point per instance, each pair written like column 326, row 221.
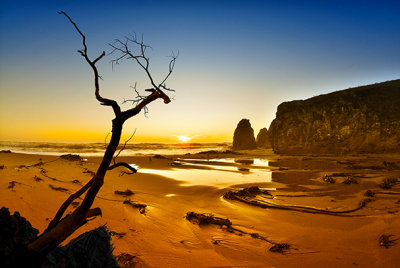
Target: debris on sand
column 5, row 152
column 60, row 189
column 350, row 180
column 244, row 169
column 140, row 207
column 175, row 163
column 158, row 156
column 390, row 165
column 76, row 181
column 12, row 184
column 202, row 219
column 245, row 161
column 249, row 196
column 2, row 166
column 38, row 164
column 385, row 241
column 36, row 178
column 21, row 167
column 328, row 179
column 87, row 171
column 208, row 152
column 205, row 219
column 246, row 192
column 126, row 260
column 280, row 248
column 369, row 193
column 388, row 183
column 71, row 157
column 125, row 193
column 117, row 235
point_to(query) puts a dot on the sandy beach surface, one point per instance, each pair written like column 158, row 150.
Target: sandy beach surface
column 171, row 187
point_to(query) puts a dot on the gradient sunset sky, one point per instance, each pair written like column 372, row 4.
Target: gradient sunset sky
column 237, row 59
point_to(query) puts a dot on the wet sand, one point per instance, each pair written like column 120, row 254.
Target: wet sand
column 162, row 237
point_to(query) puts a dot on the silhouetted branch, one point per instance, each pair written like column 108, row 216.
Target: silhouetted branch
column 66, row 204
column 105, row 139
column 61, row 228
column 94, row 212
column 144, row 62
column 123, row 164
column 103, row 101
column 123, row 147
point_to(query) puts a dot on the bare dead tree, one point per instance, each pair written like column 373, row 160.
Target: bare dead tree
column 61, row 227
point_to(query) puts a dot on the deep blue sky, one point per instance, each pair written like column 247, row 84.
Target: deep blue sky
column 238, row 59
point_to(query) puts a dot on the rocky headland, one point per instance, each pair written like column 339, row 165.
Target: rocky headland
column 364, row 119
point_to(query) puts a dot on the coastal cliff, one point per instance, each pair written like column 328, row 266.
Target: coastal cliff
column 364, row 119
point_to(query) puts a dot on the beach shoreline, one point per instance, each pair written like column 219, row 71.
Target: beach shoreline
column 162, row 237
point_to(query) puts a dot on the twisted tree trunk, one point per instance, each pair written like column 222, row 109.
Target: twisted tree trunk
column 61, row 228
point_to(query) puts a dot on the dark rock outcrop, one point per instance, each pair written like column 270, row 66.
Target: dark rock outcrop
column 262, row 140
column 243, row 138
column 15, row 234
column 365, row 119
column 91, row 249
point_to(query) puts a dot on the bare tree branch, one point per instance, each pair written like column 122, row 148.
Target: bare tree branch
column 103, row 101
column 60, row 228
column 123, row 147
column 66, row 204
column 122, row 164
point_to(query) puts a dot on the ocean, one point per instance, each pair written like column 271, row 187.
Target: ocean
column 97, row 149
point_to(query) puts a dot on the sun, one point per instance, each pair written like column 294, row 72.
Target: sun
column 183, row 138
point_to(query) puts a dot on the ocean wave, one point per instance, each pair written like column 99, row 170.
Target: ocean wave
column 97, row 149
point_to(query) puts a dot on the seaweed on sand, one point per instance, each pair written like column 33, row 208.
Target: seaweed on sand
column 328, row 179
column 117, row 235
column 350, row 180
column 88, row 171
column 71, row 157
column 125, row 193
column 202, row 219
column 140, row 207
column 205, row 219
column 126, row 260
column 388, row 183
column 246, row 192
column 60, row 189
column 36, row 178
column 281, row 248
column 12, row 184
column 247, row 196
column 385, row 241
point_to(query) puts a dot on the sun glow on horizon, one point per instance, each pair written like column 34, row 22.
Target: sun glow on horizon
column 183, row 138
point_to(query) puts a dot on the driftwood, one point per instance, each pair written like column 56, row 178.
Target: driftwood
column 202, row 219
column 249, row 199
column 60, row 228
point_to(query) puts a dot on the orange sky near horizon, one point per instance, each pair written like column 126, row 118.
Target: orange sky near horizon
column 236, row 60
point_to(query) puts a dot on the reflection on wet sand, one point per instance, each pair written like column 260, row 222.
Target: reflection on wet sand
column 220, row 173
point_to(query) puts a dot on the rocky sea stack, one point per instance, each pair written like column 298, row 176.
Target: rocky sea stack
column 365, row 119
column 243, row 138
column 262, row 140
